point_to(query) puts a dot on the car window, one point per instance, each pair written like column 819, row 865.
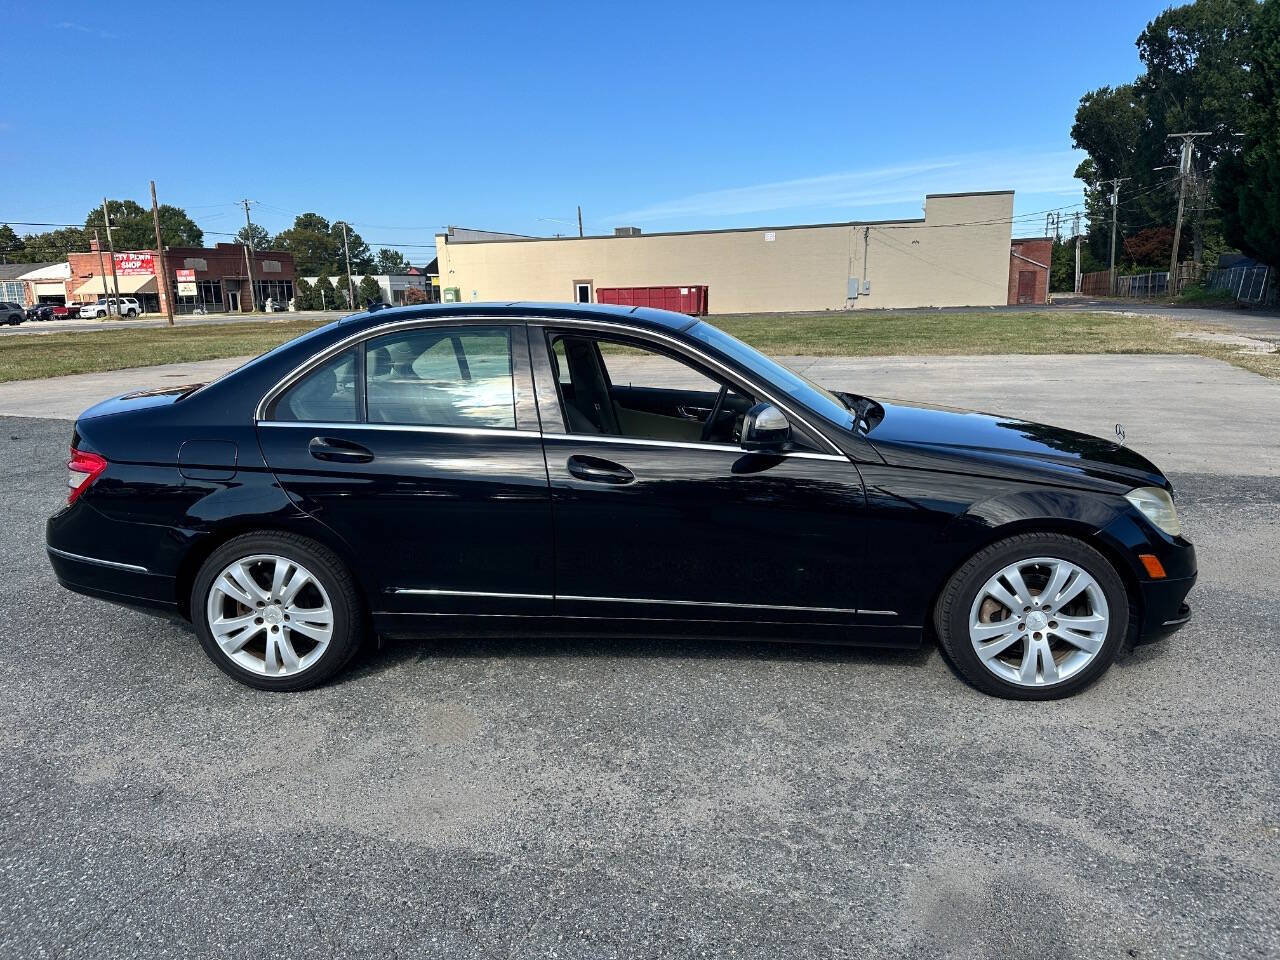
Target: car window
column 328, row 394
column 621, row 388
column 451, row 377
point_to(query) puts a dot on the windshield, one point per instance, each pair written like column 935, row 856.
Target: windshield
column 797, row 387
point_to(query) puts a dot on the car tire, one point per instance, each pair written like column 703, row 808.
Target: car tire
column 100, row 314
column 294, row 664
column 131, row 313
column 1035, row 664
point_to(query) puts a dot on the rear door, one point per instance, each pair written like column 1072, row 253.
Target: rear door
column 420, row 449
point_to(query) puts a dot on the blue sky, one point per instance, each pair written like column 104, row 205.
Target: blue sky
column 402, row 118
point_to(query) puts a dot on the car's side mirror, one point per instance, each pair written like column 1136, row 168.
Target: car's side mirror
column 765, row 429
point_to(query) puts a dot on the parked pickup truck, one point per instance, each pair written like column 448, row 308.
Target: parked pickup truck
column 126, row 307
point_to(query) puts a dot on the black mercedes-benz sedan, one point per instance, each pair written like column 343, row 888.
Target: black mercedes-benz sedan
column 529, row 468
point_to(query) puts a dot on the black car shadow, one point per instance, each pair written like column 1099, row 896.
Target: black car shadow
column 392, row 652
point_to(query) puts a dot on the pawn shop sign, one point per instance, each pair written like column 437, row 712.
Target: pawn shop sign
column 186, row 283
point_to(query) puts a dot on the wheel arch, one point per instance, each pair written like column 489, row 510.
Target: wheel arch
column 204, row 547
column 1087, row 533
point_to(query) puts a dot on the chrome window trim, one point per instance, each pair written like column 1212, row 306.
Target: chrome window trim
column 685, row 445
column 113, row 564
column 540, row 322
column 427, row 591
column 681, row 347
column 412, row 427
column 534, row 434
column 412, row 323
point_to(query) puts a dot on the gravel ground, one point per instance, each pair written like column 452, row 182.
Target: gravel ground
column 590, row 799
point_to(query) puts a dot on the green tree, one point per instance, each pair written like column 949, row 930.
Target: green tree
column 323, row 294
column 132, row 227
column 391, row 262
column 254, row 235
column 304, row 296
column 361, row 257
column 1062, row 265
column 369, row 291
column 342, row 292
column 1248, row 182
column 11, row 245
column 1195, row 78
column 310, row 241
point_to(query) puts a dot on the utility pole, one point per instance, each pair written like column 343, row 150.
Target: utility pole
column 1075, row 229
column 1115, row 202
column 102, row 267
column 351, row 285
column 1184, row 168
column 579, row 221
column 115, row 282
column 165, row 289
column 248, row 260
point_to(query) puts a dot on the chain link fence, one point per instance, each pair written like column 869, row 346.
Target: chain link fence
column 1254, row 284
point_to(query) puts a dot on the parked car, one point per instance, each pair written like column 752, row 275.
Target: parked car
column 125, row 307
column 63, row 311
column 39, row 311
column 12, row 313
column 606, row 471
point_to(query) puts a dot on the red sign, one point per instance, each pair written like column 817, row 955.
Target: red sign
column 188, row 276
column 135, row 264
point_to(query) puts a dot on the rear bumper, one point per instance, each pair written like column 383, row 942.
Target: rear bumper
column 128, row 584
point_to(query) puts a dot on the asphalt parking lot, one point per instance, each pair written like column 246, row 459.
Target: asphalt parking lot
column 643, row 799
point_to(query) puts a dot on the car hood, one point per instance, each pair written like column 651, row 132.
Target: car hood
column 903, row 430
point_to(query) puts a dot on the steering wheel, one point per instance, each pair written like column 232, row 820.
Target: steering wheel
column 710, row 423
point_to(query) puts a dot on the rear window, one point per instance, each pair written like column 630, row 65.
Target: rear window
column 328, row 394
column 451, row 377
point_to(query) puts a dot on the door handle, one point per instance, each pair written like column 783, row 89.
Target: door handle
column 595, row 470
column 338, row 451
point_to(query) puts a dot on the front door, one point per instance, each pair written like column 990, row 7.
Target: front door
column 661, row 516
column 420, row 449
column 233, row 301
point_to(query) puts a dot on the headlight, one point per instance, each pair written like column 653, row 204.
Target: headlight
column 1157, row 506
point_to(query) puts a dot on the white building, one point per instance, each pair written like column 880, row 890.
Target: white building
column 393, row 286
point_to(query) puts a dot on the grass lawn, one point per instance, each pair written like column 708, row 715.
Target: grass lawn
column 24, row 357
column 868, row 334
column 29, row 356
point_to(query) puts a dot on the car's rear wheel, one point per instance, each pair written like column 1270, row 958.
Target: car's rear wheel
column 1034, row 617
column 277, row 611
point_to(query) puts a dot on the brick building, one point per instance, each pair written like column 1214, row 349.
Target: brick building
column 1029, row 264
column 220, row 278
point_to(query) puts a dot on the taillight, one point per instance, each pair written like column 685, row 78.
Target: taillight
column 82, row 469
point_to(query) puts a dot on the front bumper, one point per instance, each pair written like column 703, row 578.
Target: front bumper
column 1161, row 601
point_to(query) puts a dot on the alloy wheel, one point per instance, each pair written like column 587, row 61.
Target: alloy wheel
column 270, row 615
column 1039, row 621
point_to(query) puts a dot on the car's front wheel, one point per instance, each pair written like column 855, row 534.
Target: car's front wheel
column 1034, row 617
column 277, row 611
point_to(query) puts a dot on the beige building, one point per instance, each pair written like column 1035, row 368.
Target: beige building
column 957, row 254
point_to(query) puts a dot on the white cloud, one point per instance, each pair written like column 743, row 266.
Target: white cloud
column 849, row 190
column 81, row 28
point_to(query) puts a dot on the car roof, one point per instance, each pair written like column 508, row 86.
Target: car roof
column 659, row 320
